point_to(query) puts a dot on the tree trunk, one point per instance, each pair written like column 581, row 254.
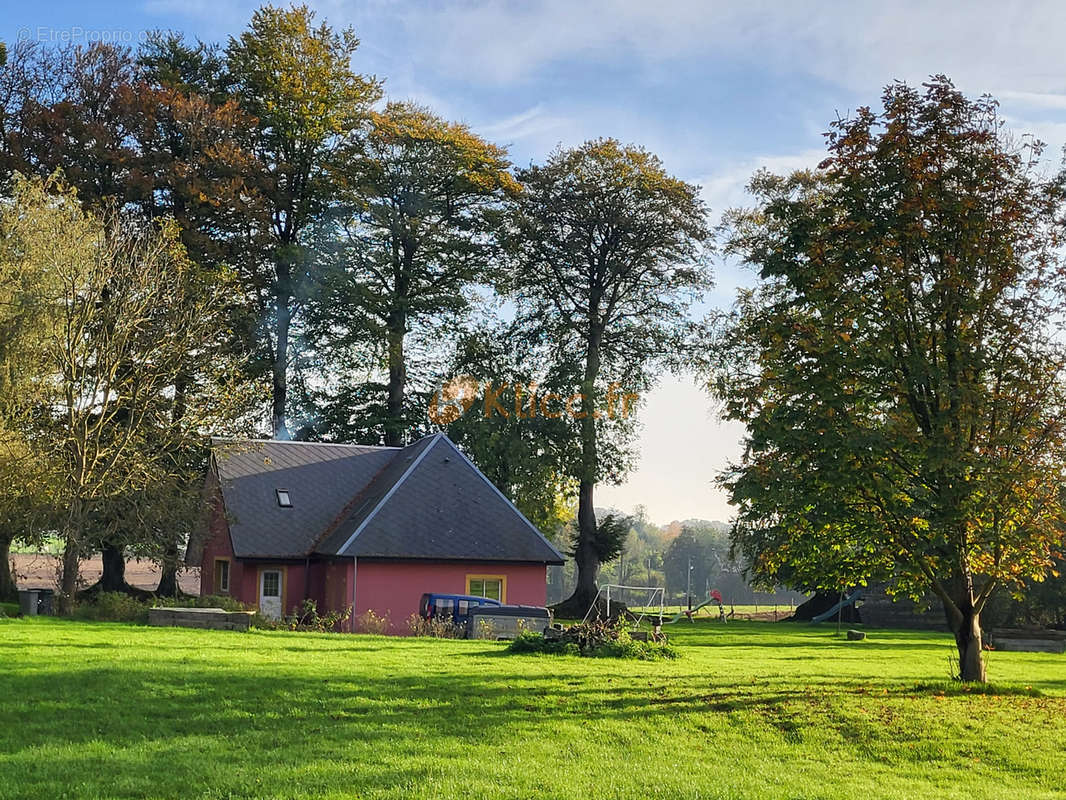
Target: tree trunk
column 967, row 632
column 281, row 365
column 71, row 561
column 8, row 588
column 68, row 582
column 168, row 581
column 586, row 554
column 394, row 412
column 585, row 557
column 113, row 574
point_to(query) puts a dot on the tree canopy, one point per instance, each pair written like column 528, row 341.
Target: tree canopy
column 899, row 365
column 607, row 252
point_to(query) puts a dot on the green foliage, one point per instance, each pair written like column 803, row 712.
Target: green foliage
column 129, row 373
column 596, row 639
column 296, row 81
column 612, row 530
column 113, row 607
column 9, row 609
column 524, row 454
column 898, row 366
column 371, row 622
column 415, row 234
column 704, row 549
column 306, row 618
column 530, row 642
column 607, row 251
column 1040, row 603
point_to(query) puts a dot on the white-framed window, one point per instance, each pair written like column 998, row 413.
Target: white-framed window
column 272, row 583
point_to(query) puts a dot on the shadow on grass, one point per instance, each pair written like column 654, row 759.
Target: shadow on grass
column 222, row 727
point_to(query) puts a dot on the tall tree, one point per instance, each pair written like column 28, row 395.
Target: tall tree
column 899, row 367
column 28, row 80
column 78, row 121
column 296, row 81
column 424, row 199
column 126, row 311
column 23, row 332
column 608, row 250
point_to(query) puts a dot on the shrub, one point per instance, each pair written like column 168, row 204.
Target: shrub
column 306, row 618
column 596, row 639
column 530, row 642
column 113, row 607
column 9, row 610
column 437, row 627
column 369, row 622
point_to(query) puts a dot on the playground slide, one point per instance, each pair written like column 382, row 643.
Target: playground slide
column 680, row 616
column 847, row 601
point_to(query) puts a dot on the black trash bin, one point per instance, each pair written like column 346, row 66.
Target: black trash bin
column 28, row 599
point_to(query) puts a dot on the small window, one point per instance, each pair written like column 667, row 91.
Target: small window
column 272, row 584
column 221, row 575
column 283, row 498
column 491, row 588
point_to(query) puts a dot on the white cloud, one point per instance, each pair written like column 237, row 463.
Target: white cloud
column 533, row 122
column 858, row 45
column 1032, row 100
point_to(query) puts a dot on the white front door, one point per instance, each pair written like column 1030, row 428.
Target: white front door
column 270, row 593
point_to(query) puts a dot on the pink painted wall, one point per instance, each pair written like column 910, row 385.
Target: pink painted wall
column 244, row 575
column 218, row 545
column 394, row 588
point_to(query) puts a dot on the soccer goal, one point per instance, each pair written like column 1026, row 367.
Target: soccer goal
column 638, row 601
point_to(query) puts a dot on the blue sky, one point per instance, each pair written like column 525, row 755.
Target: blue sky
column 716, row 89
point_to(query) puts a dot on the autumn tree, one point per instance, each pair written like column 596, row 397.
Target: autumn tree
column 899, row 365
column 296, row 81
column 24, row 510
column 27, row 81
column 73, row 117
column 607, row 252
column 125, row 313
column 416, row 236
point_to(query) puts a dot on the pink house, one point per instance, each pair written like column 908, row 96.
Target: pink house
column 370, row 528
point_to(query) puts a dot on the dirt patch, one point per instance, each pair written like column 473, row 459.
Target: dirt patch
column 39, row 572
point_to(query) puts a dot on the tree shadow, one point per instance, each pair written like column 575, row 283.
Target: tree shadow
column 187, row 719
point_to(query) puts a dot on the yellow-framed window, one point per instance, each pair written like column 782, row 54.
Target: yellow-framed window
column 221, row 575
column 494, row 587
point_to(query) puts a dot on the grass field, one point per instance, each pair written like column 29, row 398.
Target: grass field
column 751, row 710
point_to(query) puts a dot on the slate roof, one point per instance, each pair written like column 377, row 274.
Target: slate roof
column 426, row 500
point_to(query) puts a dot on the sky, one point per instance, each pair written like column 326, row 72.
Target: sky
column 716, row 89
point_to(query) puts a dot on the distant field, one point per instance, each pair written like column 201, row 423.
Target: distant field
column 39, row 571
column 750, row 710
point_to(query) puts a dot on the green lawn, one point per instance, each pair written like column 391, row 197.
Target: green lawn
column 750, row 710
